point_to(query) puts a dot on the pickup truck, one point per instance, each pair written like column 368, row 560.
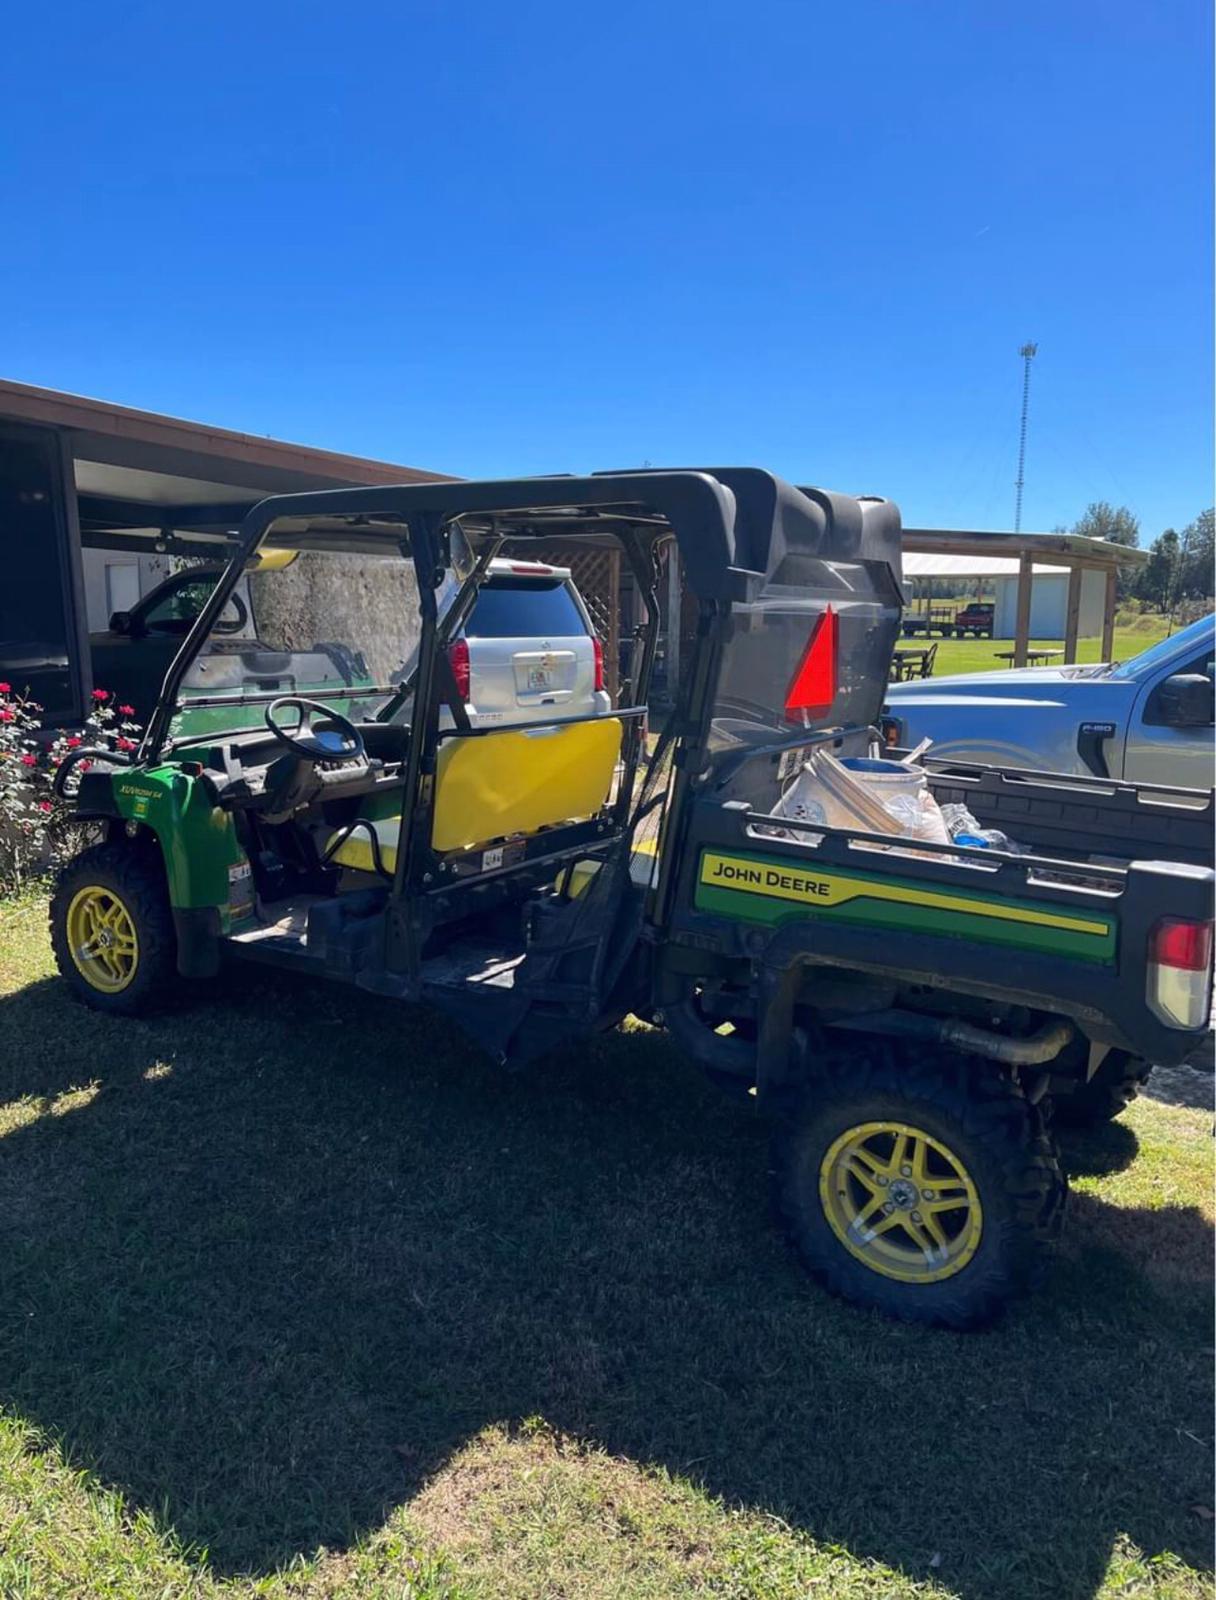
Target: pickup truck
column 1147, row 720
column 974, row 619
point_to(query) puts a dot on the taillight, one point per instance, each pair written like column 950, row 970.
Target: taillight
column 599, row 662
column 1180, row 971
column 1187, row 945
column 458, row 655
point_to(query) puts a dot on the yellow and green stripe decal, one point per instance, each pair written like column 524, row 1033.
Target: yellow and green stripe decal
column 758, row 888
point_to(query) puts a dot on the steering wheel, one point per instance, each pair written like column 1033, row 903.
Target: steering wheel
column 340, row 741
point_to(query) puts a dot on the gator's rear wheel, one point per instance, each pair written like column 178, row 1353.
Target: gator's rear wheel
column 112, row 929
column 925, row 1188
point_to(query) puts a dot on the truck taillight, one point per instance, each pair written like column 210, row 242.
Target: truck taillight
column 458, row 655
column 1180, row 972
column 599, row 662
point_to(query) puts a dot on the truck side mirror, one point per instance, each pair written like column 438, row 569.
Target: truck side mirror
column 1186, row 700
column 126, row 623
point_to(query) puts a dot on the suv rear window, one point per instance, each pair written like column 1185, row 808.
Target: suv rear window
column 525, row 608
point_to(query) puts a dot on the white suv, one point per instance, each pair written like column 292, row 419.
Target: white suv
column 528, row 652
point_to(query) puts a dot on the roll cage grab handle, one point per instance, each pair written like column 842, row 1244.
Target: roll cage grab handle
column 690, row 501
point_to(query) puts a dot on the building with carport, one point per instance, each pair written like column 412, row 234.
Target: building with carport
column 1044, row 585
column 994, row 579
column 97, row 499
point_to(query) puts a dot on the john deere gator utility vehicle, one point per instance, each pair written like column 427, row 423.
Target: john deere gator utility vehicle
column 905, row 1016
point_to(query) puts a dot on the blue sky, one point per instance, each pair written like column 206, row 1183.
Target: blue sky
column 505, row 239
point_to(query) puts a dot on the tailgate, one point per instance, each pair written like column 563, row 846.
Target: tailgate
column 541, row 673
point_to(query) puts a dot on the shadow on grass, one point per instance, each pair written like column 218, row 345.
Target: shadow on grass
column 298, row 1246
column 1099, row 1151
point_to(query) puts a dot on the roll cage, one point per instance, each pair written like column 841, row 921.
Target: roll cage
column 741, row 533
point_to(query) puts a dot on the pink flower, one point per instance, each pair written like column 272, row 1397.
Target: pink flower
column 101, row 694
column 6, row 688
column 126, row 711
column 74, row 741
column 83, row 766
column 125, row 744
column 7, row 716
column 29, row 761
column 44, row 805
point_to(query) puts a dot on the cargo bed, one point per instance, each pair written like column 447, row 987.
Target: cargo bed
column 1067, row 931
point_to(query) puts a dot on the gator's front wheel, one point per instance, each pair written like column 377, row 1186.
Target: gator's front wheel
column 924, row 1188
column 112, row 929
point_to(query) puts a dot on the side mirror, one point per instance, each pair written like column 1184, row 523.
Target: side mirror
column 1187, row 700
column 129, row 624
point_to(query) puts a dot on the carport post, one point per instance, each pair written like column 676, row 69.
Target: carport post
column 1021, row 629
column 1076, row 576
column 1108, row 620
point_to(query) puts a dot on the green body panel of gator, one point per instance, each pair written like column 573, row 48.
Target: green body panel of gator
column 197, row 838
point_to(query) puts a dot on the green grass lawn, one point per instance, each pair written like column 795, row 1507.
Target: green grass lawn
column 979, row 655
column 299, row 1297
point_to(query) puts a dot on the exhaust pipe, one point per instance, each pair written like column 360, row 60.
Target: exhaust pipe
column 1028, row 1051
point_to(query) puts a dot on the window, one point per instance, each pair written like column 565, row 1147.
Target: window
column 122, row 586
column 176, row 610
column 525, row 608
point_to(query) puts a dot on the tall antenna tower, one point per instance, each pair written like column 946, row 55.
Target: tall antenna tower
column 1027, row 353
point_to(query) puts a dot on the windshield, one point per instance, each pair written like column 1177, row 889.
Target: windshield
column 782, row 674
column 1159, row 654
column 330, row 625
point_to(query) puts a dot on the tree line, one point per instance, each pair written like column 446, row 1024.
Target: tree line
column 1179, row 567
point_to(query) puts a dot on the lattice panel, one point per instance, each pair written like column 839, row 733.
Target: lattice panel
column 598, row 576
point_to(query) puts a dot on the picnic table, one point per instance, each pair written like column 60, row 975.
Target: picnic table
column 1033, row 657
column 909, row 663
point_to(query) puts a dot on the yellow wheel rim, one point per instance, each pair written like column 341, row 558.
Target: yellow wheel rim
column 101, row 936
column 901, row 1202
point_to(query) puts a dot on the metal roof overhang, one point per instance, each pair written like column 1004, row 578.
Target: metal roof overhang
column 141, row 477
column 918, row 565
column 1057, row 549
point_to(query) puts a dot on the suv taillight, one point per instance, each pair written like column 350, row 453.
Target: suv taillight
column 1179, row 972
column 599, row 662
column 458, row 655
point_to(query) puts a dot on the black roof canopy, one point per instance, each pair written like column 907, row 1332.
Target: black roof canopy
column 735, row 526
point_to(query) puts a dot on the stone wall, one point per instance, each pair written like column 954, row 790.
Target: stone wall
column 366, row 604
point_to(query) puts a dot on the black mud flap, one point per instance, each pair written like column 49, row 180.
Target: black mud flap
column 198, row 941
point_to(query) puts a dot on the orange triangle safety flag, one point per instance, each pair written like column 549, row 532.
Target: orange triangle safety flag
column 814, row 686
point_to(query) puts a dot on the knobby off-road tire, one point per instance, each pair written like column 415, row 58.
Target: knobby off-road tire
column 969, row 1137
column 1110, row 1091
column 112, row 929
